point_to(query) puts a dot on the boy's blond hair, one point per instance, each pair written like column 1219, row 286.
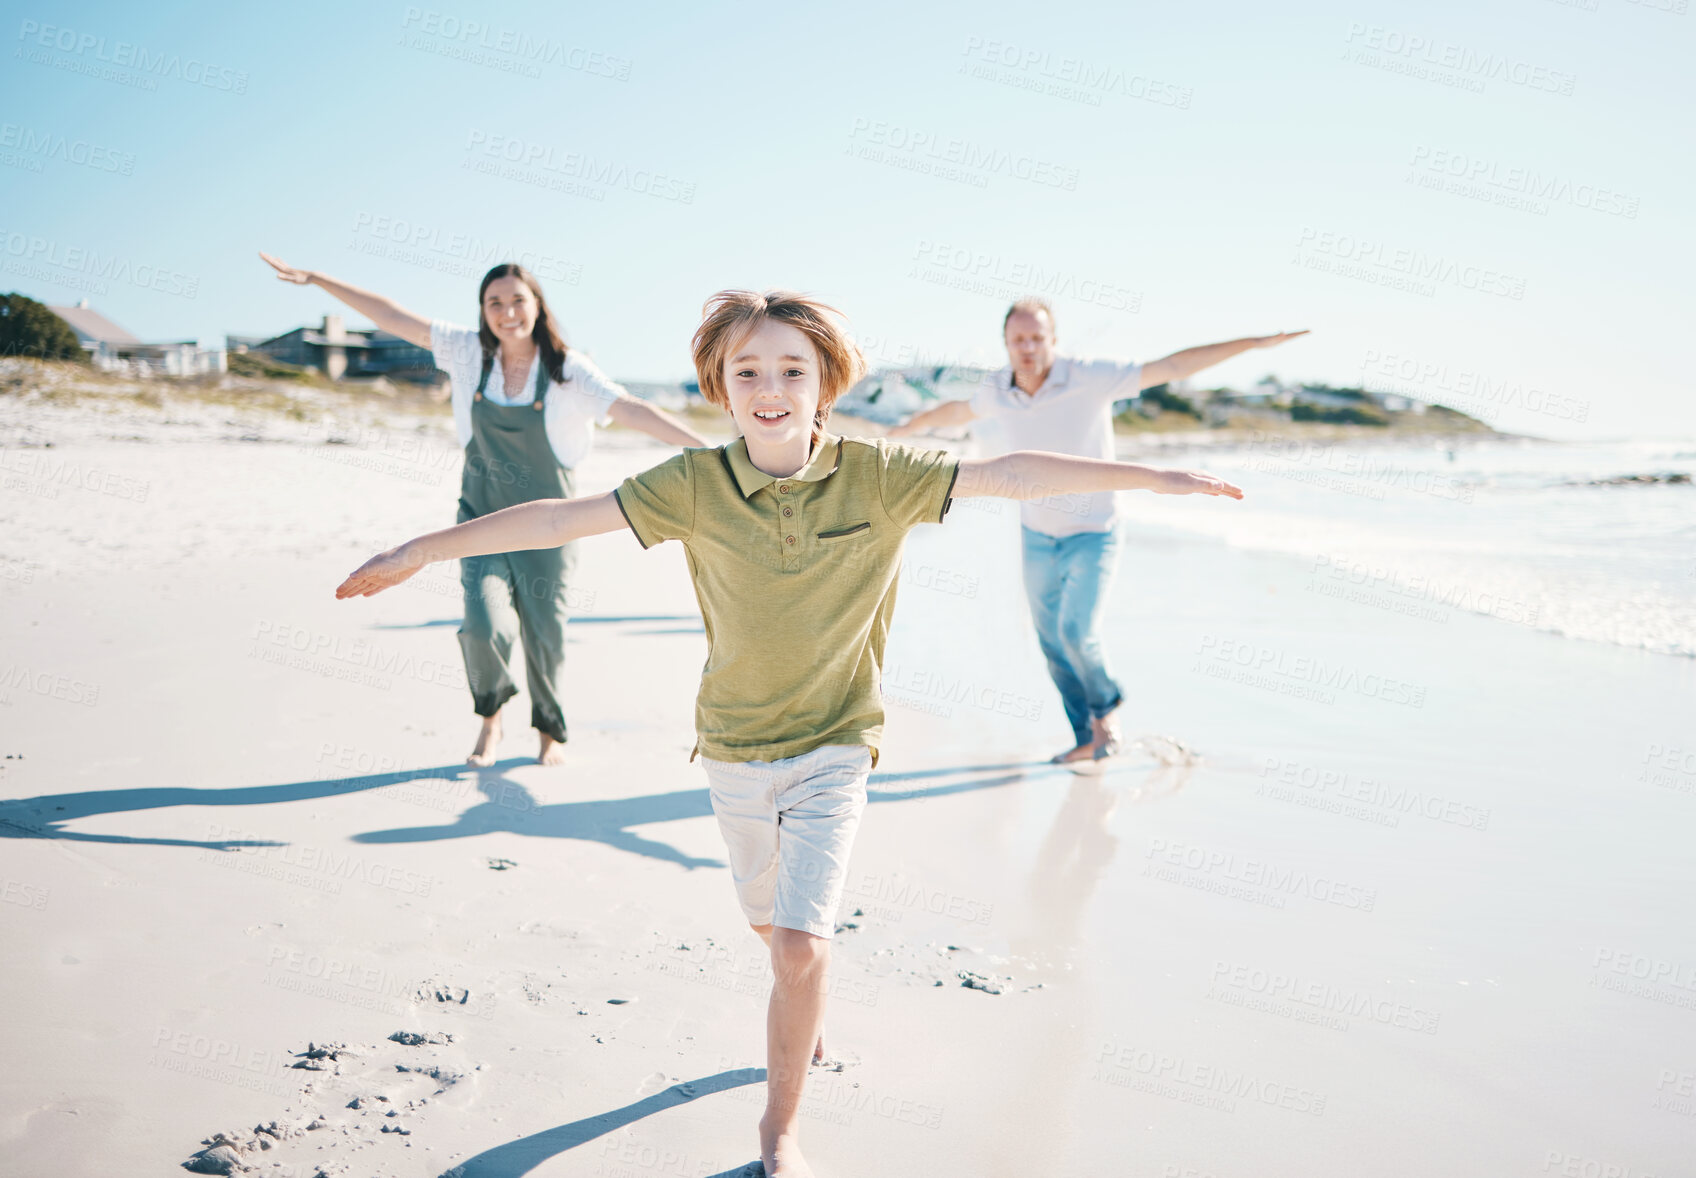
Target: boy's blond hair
column 728, row 317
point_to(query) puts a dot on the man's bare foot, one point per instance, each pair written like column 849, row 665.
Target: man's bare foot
column 1082, row 752
column 551, row 752
column 1106, row 736
column 487, row 740
column 780, row 1153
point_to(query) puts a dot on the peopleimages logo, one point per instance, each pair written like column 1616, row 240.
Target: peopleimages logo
column 922, row 684
column 1132, row 1065
column 475, row 41
column 1378, row 801
column 49, row 683
column 130, row 56
column 55, row 470
column 567, row 165
column 951, row 157
column 1236, row 984
column 1463, row 174
column 357, row 659
column 1470, row 391
column 420, row 237
column 1066, row 77
column 1437, row 59
column 986, row 273
column 41, row 251
column 37, row 145
column 1420, row 595
column 1274, row 879
column 1259, row 665
column 1415, row 265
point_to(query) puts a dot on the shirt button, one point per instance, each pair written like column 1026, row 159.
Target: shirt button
column 788, row 511
column 789, row 539
column 783, row 488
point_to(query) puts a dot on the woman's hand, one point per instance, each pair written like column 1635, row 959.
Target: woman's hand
column 383, row 571
column 1197, row 482
column 286, row 272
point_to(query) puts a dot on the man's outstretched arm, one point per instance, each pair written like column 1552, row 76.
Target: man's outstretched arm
column 1190, row 361
column 1037, row 474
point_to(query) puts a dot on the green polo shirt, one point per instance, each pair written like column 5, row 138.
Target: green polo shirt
column 796, row 579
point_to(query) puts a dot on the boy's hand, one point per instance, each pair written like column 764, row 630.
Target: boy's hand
column 383, row 571
column 1198, row 482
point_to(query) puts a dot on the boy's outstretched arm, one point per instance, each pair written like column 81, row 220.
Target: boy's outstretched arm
column 541, row 523
column 1036, row 474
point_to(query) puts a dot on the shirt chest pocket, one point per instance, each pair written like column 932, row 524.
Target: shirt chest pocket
column 846, row 531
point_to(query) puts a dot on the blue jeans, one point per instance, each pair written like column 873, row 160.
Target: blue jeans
column 1066, row 581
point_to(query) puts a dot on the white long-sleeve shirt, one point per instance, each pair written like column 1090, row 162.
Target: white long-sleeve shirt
column 570, row 411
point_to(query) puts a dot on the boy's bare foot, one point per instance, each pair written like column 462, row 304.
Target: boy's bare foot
column 1082, row 752
column 484, row 753
column 780, row 1153
column 552, row 752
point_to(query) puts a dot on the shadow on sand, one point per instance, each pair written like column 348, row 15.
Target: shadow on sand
column 571, row 620
column 520, row 1157
column 507, row 805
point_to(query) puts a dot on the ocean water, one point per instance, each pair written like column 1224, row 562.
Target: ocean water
column 1515, row 529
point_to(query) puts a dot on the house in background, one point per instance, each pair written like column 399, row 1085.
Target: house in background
column 1270, row 392
column 112, row 348
column 341, row 354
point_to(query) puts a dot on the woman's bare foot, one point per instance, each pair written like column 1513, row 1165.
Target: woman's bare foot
column 818, row 1050
column 551, row 752
column 487, row 740
column 1082, row 752
column 780, row 1152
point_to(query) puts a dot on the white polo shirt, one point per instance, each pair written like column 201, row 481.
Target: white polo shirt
column 570, row 412
column 1072, row 413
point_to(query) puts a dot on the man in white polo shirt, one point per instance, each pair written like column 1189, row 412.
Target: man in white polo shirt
column 1045, row 401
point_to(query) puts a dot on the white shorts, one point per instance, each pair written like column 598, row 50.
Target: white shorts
column 789, row 826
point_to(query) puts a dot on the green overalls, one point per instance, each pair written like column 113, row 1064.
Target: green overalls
column 509, row 461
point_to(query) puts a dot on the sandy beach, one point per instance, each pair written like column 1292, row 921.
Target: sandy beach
column 1413, row 902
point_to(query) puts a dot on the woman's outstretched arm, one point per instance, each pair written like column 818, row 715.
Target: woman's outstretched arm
column 541, row 523
column 634, row 413
column 384, row 312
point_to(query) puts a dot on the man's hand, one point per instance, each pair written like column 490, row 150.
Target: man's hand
column 1272, row 341
column 1197, row 482
column 383, row 571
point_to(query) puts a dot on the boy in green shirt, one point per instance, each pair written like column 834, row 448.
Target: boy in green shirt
column 794, row 539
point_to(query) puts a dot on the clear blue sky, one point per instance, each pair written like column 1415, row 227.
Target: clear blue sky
column 1204, row 172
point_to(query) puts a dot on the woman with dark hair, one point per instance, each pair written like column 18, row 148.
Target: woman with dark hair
column 524, row 407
